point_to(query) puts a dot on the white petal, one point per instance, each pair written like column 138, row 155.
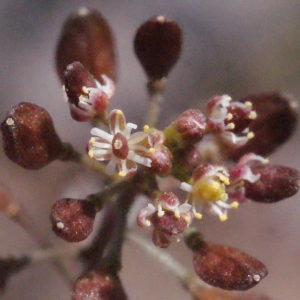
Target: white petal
column 186, row 187
column 99, row 132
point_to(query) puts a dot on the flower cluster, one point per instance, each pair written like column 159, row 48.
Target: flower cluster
column 214, row 178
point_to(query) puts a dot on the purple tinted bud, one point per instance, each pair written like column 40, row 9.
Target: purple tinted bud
column 72, row 219
column 275, row 183
column 157, row 44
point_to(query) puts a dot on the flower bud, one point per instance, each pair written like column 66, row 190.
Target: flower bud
column 29, row 137
column 272, row 109
column 87, row 38
column 72, row 219
column 87, row 98
column 161, row 163
column 274, row 184
column 224, row 267
column 188, row 129
column 157, row 44
column 97, row 285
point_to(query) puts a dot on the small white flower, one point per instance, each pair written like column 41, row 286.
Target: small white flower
column 121, row 148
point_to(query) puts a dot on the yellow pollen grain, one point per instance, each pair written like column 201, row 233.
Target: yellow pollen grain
column 176, row 214
column 229, row 116
column 224, row 197
column 223, row 218
column 118, row 112
column 122, row 173
column 198, row 216
column 252, row 115
column 91, row 154
column 146, row 128
column 248, row 104
column 225, row 180
column 234, row 205
column 230, row 126
column 92, row 141
column 151, row 151
column 85, row 90
column 250, row 135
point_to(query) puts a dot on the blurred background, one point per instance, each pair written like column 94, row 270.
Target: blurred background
column 234, row 47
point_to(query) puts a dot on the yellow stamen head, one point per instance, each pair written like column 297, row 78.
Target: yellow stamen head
column 122, row 173
column 146, row 128
column 91, row 154
column 248, row 104
column 250, row 135
column 92, row 141
column 85, row 90
column 234, row 205
column 151, row 151
column 252, row 115
column 229, row 116
column 198, row 216
column 223, row 218
column 119, row 112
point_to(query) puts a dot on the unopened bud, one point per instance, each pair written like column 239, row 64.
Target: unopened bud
column 224, row 267
column 157, row 44
column 275, row 183
column 97, row 285
column 72, row 219
column 87, row 38
column 29, row 137
column 188, row 129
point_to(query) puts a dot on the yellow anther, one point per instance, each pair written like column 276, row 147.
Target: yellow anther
column 234, row 205
column 119, row 112
column 252, row 115
column 198, row 216
column 151, row 151
column 148, row 223
column 91, row 154
column 160, row 213
column 265, row 161
column 229, row 116
column 223, row 218
column 224, row 197
column 92, row 141
column 224, row 179
column 248, row 104
column 176, row 214
column 230, row 126
column 122, row 173
column 250, row 135
column 85, row 90
column 227, row 98
column 187, row 219
column 146, row 128
column 161, row 19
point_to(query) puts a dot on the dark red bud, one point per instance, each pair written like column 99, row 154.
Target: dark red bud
column 76, row 76
column 168, row 223
column 275, row 183
column 98, row 286
column 275, row 123
column 157, row 44
column 161, row 164
column 87, row 38
column 29, row 137
column 224, row 267
column 72, row 219
column 160, row 239
column 188, row 129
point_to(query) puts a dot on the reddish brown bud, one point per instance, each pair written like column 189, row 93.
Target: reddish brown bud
column 275, row 183
column 276, row 121
column 157, row 44
column 184, row 162
column 72, row 219
column 188, row 129
column 29, row 137
column 160, row 161
column 87, row 38
column 225, row 267
column 98, row 286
